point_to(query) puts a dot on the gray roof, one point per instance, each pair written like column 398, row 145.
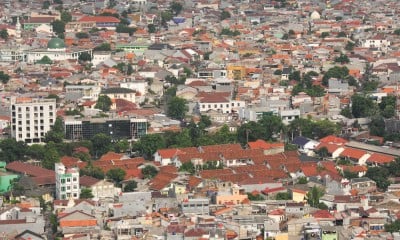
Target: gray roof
column 116, row 90
column 373, row 148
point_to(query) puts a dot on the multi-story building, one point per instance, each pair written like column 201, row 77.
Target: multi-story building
column 116, row 128
column 32, row 118
column 67, row 182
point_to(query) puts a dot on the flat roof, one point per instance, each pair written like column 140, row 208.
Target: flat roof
column 373, row 148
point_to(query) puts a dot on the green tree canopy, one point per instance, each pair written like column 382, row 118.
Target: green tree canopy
column 93, row 171
column 51, row 157
column 149, row 171
column 59, row 28
column 4, row 34
column 4, row 78
column 86, row 193
column 45, row 60
column 176, row 7
column 103, row 103
column 81, row 35
column 101, row 144
column 130, row 186
column 151, row 28
column 103, row 47
column 11, row 150
column 343, row 58
column 149, row 144
column 56, row 134
column 225, row 15
column 361, row 105
column 85, row 57
column 177, row 108
column 380, row 176
column 335, row 72
column 66, row 17
column 314, row 195
column 395, row 226
column 116, row 174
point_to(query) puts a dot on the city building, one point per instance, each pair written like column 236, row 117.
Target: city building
column 116, row 128
column 32, row 118
column 56, row 51
column 67, row 182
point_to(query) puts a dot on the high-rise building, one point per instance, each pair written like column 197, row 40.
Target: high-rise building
column 67, row 182
column 32, row 118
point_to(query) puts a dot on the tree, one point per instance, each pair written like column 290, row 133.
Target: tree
column 349, row 175
column 116, row 174
column 225, row 15
column 150, row 143
column 45, row 60
column 121, row 146
column 395, row 226
column 341, row 35
column 85, row 57
column 224, row 136
column 283, row 196
column 397, row 31
column 123, row 28
column 4, row 78
column 11, row 150
column 349, row 46
column 380, row 176
column 56, row 134
column 151, row 28
column 130, row 186
column 177, row 108
column 314, row 195
column 342, row 59
column 176, row 7
column 324, row 35
column 295, row 75
column 86, row 193
column 324, row 128
column 66, row 17
column 51, row 157
column 302, row 180
column 335, row 72
column 4, row 34
column 187, row 167
column 183, row 139
column 370, row 86
column 46, row 5
column 103, row 103
column 165, row 17
column 81, row 35
column 36, row 151
column 322, row 152
column 124, row 68
column 103, row 47
column 101, row 144
column 58, row 28
column 361, row 105
column 377, row 126
column 272, row 126
column 278, row 72
column 149, row 171
column 90, row 170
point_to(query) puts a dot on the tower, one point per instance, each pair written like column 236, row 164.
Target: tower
column 18, row 34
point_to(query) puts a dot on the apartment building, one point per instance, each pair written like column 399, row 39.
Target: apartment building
column 67, row 182
column 32, row 118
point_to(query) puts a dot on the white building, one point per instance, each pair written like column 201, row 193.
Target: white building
column 377, row 41
column 67, row 182
column 289, row 115
column 32, row 118
column 87, row 92
column 56, row 51
column 99, row 57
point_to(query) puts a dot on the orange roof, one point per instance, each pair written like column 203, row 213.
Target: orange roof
column 261, row 144
column 330, row 147
column 380, row 158
column 323, row 214
column 99, row 19
column 353, row 153
column 333, row 139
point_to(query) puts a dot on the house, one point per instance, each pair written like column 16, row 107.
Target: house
column 295, row 209
column 99, row 188
column 120, row 93
column 305, row 145
column 28, row 234
column 298, row 195
column 356, row 155
column 363, row 185
column 233, row 197
column 107, row 22
column 267, row 147
column 77, row 222
column 165, row 156
column 288, row 115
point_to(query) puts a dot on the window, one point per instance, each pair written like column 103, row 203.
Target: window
column 68, row 187
column 75, row 186
column 75, row 195
column 62, row 189
column 74, row 179
column 63, row 180
column 68, row 179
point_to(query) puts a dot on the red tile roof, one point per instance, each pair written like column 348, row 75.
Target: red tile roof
column 28, row 169
column 333, row 139
column 323, row 214
column 161, row 180
column 88, row 181
column 261, row 144
column 380, row 158
column 329, row 146
column 99, row 19
column 353, row 153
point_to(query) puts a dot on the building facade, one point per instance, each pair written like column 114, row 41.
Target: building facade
column 116, row 128
column 32, row 118
column 67, row 182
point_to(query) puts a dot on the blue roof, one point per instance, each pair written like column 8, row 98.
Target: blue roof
column 300, row 141
column 178, row 20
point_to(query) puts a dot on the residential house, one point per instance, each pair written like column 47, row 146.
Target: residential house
column 120, row 93
column 235, row 196
column 268, row 148
column 356, row 155
column 363, row 185
column 298, row 195
column 288, row 115
column 195, row 206
column 305, row 145
column 107, row 22
column 99, row 188
column 77, row 222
